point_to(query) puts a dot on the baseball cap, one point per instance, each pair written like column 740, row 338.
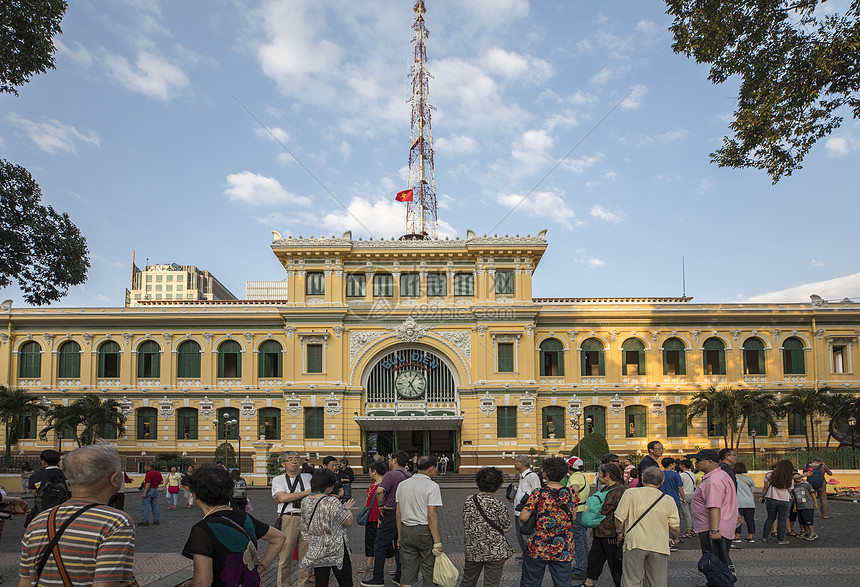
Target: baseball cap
column 574, row 463
column 706, row 454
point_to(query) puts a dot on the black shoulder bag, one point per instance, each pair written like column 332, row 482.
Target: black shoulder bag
column 481, row 511
column 292, row 489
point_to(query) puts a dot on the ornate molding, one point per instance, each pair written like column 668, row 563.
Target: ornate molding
column 695, row 335
column 3, row 337
column 409, row 331
column 49, row 338
column 294, row 405
column 332, row 405
column 616, row 405
column 735, row 335
column 207, row 408
column 125, row 407
column 248, row 409
column 359, row 340
column 482, row 329
column 613, row 335
column 527, row 403
column 249, row 338
column 487, row 404
column 207, row 336
column 658, row 405
column 530, row 329
column 126, row 336
column 338, row 330
column 574, row 406
column 460, row 339
column 167, row 337
column 289, row 330
column 165, row 409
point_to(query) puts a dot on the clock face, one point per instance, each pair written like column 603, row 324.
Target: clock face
column 410, row 384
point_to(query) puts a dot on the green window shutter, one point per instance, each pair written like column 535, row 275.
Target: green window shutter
column 722, row 362
column 761, row 365
column 383, row 285
column 682, row 362
column 464, row 284
column 355, row 285
column 555, row 414
column 676, row 421
column 598, row 418
column 560, row 359
column 410, row 285
column 314, row 425
column 601, row 365
column 269, row 421
column 315, row 358
column 437, row 284
column 147, row 416
column 505, row 352
column 506, row 422
column 642, row 362
column 314, row 283
column 635, row 415
column 156, row 364
column 504, row 282
column 665, row 361
column 221, row 355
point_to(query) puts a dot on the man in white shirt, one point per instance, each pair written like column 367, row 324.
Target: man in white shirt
column 529, row 481
column 418, row 523
column 287, row 491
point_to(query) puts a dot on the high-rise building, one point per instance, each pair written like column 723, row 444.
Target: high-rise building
column 173, row 282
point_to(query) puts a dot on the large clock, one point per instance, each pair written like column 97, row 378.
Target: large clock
column 410, row 384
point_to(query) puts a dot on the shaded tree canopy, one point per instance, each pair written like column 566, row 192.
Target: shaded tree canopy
column 39, row 247
column 799, row 72
column 27, row 29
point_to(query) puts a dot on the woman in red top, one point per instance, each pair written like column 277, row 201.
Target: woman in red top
column 377, row 470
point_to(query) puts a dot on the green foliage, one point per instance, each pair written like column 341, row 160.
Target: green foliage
column 227, row 454
column 13, row 403
column 91, row 413
column 797, row 70
column 591, row 449
column 27, row 40
column 171, row 459
column 39, row 247
column 273, row 465
column 732, row 407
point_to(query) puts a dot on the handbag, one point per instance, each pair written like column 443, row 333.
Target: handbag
column 715, row 570
column 528, row 527
column 364, row 516
column 591, row 516
column 173, row 489
column 511, row 492
column 620, row 552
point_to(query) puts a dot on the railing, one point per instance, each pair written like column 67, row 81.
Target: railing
column 132, row 464
column 834, row 459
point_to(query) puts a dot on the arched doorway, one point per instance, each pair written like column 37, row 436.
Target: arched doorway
column 411, row 403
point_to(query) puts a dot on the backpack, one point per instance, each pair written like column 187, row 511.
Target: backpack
column 591, row 516
column 52, row 492
column 816, row 478
column 239, row 489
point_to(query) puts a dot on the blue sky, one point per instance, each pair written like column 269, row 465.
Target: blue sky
column 137, row 137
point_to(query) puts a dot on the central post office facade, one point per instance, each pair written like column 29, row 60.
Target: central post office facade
column 431, row 346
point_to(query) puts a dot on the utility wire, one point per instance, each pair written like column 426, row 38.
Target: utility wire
column 291, row 154
column 560, row 161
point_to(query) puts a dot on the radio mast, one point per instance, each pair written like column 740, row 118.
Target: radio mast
column 421, row 217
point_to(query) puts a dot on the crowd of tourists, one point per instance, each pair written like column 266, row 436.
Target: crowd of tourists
column 78, row 534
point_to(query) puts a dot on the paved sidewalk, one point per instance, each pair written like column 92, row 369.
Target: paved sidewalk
column 834, row 559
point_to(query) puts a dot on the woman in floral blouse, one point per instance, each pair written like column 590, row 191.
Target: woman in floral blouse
column 551, row 545
column 324, row 523
column 485, row 522
column 604, row 547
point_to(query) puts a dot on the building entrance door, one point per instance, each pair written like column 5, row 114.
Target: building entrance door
column 421, row 442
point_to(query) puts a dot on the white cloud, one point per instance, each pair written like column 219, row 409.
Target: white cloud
column 102, row 298
column 106, row 261
column 831, row 289
column 513, row 66
column 582, row 164
column 456, row 145
column 816, row 263
column 838, row 147
column 594, row 263
column 648, row 27
column 673, row 135
column 581, row 99
column 496, row 12
column 563, row 119
column 634, row 100
column 548, row 205
column 602, row 213
column 705, row 186
column 151, row 75
column 78, row 53
column 258, row 190
column 602, row 76
column 345, row 150
column 582, row 257
column 52, row 136
column 379, row 218
column 585, row 46
column 273, row 133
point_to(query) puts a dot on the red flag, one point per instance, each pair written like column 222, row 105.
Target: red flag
column 404, row 196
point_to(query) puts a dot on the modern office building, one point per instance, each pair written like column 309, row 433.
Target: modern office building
column 173, row 282
column 435, row 346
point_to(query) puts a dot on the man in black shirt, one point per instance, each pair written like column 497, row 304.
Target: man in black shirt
column 332, row 465
column 727, row 461
column 346, row 477
column 652, row 459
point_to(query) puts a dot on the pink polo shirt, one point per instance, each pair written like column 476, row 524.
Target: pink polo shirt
column 717, row 490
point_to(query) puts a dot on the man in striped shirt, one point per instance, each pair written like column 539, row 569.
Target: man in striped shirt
column 97, row 548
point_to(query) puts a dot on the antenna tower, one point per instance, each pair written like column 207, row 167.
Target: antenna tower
column 421, row 217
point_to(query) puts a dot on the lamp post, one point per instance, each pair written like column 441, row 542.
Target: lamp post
column 753, row 434
column 60, row 442
column 574, row 423
column 228, row 427
column 852, row 425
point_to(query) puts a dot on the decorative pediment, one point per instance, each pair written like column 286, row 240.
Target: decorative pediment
column 616, row 405
column 574, row 406
column 409, row 331
column 248, row 410
column 165, row 408
column 527, row 403
column 125, row 407
column 332, row 405
column 487, row 405
column 294, row 405
column 207, row 408
column 658, row 405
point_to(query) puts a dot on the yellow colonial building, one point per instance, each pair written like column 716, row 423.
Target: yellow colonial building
column 432, row 346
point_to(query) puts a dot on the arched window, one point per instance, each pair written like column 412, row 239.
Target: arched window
column 676, row 421
column 147, row 424
column 227, row 415
column 270, row 423
column 551, row 358
column 760, row 427
column 30, row 360
column 716, row 424
column 109, row 359
column 633, row 357
column 69, row 364
column 598, row 419
column 674, row 357
column 186, row 424
column 553, row 421
column 270, row 359
column 188, row 359
column 636, row 421
column 754, row 356
column 149, row 359
column 592, row 358
column 229, row 359
column 714, row 355
column 792, row 356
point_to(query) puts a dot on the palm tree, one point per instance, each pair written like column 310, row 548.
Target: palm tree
column 805, row 403
column 94, row 414
column 724, row 405
column 758, row 404
column 830, row 404
column 14, row 403
column 60, row 419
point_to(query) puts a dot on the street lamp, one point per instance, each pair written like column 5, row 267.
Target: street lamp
column 753, row 434
column 852, row 425
column 574, row 423
column 60, row 441
column 228, row 427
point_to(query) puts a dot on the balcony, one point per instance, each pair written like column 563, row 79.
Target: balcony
column 675, row 379
column 755, row 378
column 188, row 382
column 714, row 379
column 795, row 379
column 108, row 382
column 594, row 380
